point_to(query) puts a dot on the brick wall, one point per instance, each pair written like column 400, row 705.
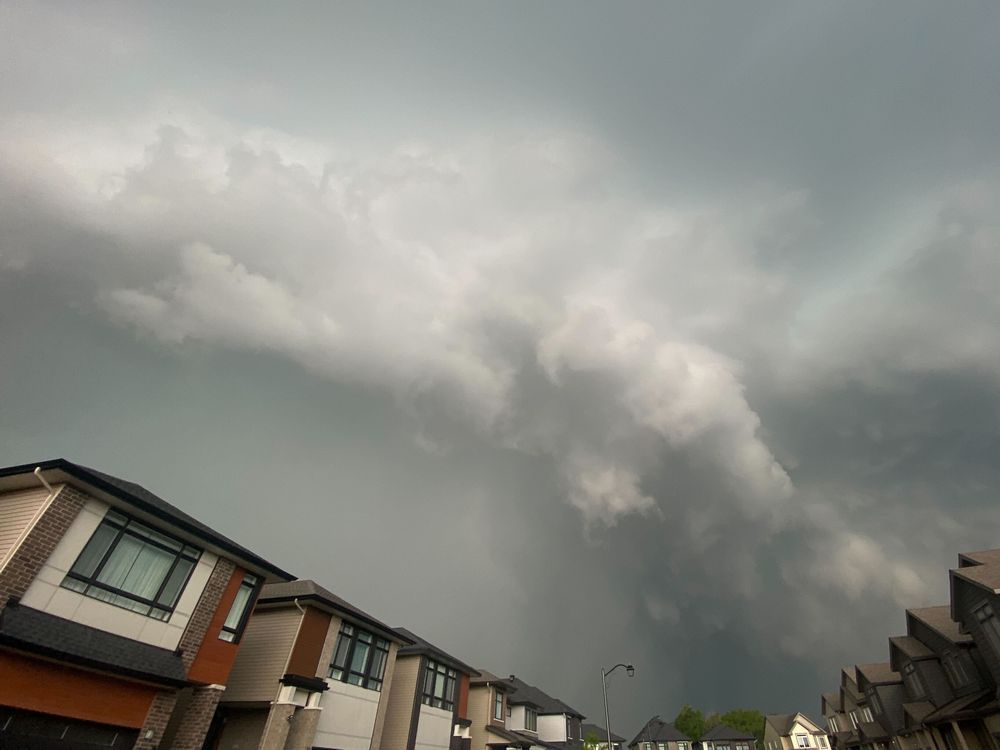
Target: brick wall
column 198, row 715
column 156, row 720
column 197, row 626
column 39, row 544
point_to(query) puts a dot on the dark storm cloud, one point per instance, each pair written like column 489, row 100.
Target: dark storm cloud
column 664, row 335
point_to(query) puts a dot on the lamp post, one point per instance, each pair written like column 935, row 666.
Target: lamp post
column 604, row 684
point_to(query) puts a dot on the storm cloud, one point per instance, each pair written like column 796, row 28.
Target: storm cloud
column 659, row 334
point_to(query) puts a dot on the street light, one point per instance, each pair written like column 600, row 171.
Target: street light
column 604, row 683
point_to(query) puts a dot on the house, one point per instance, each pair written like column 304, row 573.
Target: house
column 121, row 616
column 542, row 720
column 657, row 734
column 488, row 712
column 938, row 691
column 721, row 737
column 428, row 699
column 792, row 732
column 314, row 672
column 588, row 730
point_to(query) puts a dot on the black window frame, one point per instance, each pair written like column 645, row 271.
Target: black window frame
column 376, row 645
column 433, row 672
column 254, row 583
column 913, row 680
column 125, row 525
column 498, row 705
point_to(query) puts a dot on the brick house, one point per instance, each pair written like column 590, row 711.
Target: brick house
column 120, row 615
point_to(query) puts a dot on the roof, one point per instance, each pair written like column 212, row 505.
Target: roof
column 832, row 700
column 486, row 677
column 536, row 741
column 879, row 673
column 918, row 710
column 911, row 647
column 310, row 591
column 783, row 723
column 657, row 730
column 601, row 732
column 981, row 557
column 722, row 732
column 960, row 707
column 523, row 693
column 144, row 500
column 38, row 632
column 507, row 735
column 939, row 620
column 984, row 576
column 873, row 730
column 422, row 647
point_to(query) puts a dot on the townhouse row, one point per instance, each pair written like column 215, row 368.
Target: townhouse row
column 938, row 689
column 126, row 623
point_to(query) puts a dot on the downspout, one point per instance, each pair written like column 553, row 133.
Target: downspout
column 38, row 473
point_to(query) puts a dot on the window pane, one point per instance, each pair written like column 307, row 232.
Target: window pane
column 173, row 587
column 360, row 657
column 378, row 665
column 93, row 553
column 240, row 605
column 148, row 572
column 145, row 531
column 340, row 656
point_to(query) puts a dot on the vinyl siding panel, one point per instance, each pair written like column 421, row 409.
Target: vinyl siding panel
column 17, row 513
column 264, row 651
column 399, row 713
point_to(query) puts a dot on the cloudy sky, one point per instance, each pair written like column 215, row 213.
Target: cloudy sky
column 560, row 333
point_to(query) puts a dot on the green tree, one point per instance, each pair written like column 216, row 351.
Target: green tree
column 748, row 720
column 592, row 741
column 690, row 721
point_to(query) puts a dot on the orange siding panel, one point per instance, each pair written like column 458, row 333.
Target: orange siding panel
column 215, row 657
column 51, row 688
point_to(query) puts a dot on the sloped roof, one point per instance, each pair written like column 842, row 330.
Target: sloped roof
column 722, row 732
column 783, row 723
column 486, row 677
column 657, row 730
column 984, row 576
column 32, row 630
column 939, row 620
column 911, row 647
column 138, row 496
column 878, row 673
column 507, row 736
column 274, row 593
column 421, row 647
column 832, row 700
column 523, row 693
column 980, row 557
column 601, row 732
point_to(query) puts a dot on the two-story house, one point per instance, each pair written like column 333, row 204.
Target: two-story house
column 793, row 732
column 488, row 712
column 656, row 734
column 838, row 723
column 314, row 672
column 599, row 735
column 428, row 699
column 543, row 720
column 120, row 615
column 721, row 737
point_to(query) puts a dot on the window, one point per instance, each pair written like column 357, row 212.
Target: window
column 802, row 740
column 359, row 658
column 722, row 747
column 742, row 746
column 661, row 746
column 239, row 613
column 955, row 668
column 130, row 565
column 989, row 624
column 912, row 679
column 832, row 721
column 498, row 705
column 854, row 719
column 530, row 719
column 873, row 699
column 439, row 686
column 682, row 746
column 822, row 741
column 866, row 714
column 647, row 746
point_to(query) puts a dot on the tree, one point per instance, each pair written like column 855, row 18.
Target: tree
column 592, row 741
column 690, row 721
column 748, row 720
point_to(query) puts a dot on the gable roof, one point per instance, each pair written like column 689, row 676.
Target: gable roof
column 142, row 499
column 421, row 647
column 310, row 591
column 722, row 732
column 601, row 732
column 783, row 723
column 522, row 693
column 911, row 647
column 657, row 730
column 879, row 673
column 939, row 620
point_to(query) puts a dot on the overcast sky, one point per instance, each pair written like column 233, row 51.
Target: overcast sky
column 562, row 334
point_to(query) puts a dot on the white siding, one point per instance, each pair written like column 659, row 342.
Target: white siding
column 264, row 651
column 552, row 728
column 434, row 729
column 18, row 513
column 45, row 592
column 348, row 717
